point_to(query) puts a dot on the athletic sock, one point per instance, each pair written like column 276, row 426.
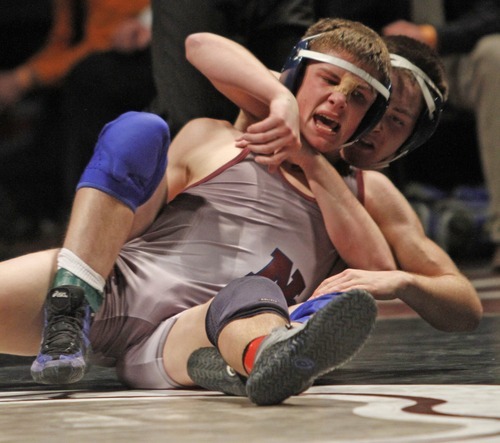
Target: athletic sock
column 250, row 352
column 74, row 271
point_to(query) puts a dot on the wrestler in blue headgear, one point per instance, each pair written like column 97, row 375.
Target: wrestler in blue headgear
column 332, row 35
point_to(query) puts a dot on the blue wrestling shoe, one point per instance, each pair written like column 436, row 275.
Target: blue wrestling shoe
column 311, row 306
column 65, row 343
column 288, row 361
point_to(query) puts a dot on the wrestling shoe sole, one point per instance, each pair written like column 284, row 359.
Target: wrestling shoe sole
column 329, row 339
column 207, row 369
column 59, row 372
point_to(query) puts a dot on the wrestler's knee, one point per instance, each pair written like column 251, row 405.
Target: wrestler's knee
column 243, row 298
column 130, row 158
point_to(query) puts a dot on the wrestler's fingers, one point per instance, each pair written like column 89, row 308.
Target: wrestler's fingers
column 270, row 134
column 269, row 148
column 271, row 160
column 338, row 287
column 337, row 282
column 265, row 125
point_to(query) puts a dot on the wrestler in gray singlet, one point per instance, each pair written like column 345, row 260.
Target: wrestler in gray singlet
column 240, row 220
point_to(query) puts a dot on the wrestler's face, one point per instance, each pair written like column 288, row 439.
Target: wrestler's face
column 396, row 126
column 332, row 102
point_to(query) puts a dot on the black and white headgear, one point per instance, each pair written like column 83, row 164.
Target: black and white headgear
column 293, row 73
column 429, row 117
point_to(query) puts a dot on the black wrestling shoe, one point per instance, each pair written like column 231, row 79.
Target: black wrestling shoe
column 207, row 369
column 289, row 360
column 65, row 343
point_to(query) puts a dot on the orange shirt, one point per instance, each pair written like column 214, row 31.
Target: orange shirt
column 103, row 17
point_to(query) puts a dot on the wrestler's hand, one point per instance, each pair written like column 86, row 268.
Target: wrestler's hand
column 383, row 285
column 275, row 138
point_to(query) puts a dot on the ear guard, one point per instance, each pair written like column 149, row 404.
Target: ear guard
column 293, row 73
column 434, row 101
column 429, row 117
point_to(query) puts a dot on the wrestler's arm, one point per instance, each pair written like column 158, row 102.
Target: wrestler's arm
column 242, row 78
column 236, row 73
column 352, row 230
column 428, row 280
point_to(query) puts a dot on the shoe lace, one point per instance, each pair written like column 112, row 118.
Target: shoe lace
column 63, row 334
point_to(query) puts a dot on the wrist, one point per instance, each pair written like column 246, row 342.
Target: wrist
column 282, row 98
column 405, row 284
column 307, row 159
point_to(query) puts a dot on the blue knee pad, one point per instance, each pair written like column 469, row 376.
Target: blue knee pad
column 130, row 158
column 310, row 307
column 244, row 298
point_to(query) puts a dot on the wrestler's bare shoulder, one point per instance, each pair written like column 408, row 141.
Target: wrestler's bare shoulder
column 203, row 132
column 202, row 146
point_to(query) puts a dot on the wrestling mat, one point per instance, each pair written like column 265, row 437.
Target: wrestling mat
column 409, row 384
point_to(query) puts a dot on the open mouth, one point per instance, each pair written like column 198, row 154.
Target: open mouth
column 365, row 144
column 326, row 123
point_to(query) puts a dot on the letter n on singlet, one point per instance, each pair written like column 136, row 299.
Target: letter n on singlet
column 279, row 269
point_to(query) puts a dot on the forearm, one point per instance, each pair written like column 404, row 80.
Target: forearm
column 428, row 280
column 447, row 302
column 235, row 72
column 353, row 232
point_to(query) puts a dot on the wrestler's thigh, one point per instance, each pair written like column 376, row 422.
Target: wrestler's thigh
column 186, row 336
column 24, row 282
column 146, row 213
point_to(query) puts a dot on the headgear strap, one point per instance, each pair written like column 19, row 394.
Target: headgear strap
column 428, row 120
column 423, row 80
column 344, row 64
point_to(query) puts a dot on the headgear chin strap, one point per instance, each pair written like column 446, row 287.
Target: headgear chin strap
column 293, row 73
column 429, row 117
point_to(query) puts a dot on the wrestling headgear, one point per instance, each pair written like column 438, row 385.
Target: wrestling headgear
column 429, row 117
column 293, row 73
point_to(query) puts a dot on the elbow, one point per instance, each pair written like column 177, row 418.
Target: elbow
column 474, row 315
column 193, row 43
column 466, row 322
column 474, row 318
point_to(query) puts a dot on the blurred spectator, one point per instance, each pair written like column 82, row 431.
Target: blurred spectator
column 372, row 13
column 94, row 64
column 79, row 28
column 268, row 28
column 17, row 22
column 467, row 32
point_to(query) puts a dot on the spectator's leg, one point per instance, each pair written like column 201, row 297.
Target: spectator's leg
column 478, row 83
column 184, row 93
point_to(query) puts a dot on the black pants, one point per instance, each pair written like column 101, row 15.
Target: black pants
column 268, row 28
